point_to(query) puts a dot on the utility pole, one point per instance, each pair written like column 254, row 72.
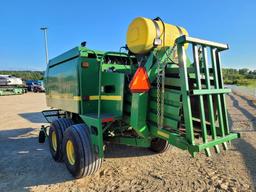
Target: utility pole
column 44, row 29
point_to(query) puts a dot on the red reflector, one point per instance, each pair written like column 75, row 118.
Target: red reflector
column 105, row 120
column 85, row 64
column 140, row 82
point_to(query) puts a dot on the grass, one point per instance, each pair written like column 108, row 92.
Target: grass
column 252, row 83
column 242, row 82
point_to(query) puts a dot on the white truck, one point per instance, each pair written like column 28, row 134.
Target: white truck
column 11, row 85
column 10, row 80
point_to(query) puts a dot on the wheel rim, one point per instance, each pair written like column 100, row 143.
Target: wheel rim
column 54, row 141
column 70, row 152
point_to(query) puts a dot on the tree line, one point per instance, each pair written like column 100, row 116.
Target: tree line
column 25, row 75
column 242, row 76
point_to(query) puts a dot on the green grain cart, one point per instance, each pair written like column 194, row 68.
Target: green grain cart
column 152, row 95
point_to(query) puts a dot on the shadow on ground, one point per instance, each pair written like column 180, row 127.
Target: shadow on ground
column 248, row 101
column 33, row 117
column 25, row 163
column 251, row 117
column 123, row 151
column 249, row 155
column 247, row 150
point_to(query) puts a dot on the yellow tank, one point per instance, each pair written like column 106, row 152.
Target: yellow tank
column 142, row 33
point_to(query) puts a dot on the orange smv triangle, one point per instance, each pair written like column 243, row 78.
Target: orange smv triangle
column 140, row 82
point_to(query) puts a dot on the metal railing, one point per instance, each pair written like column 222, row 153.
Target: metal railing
column 212, row 86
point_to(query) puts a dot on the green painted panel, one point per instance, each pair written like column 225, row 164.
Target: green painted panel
column 75, row 52
column 168, row 122
column 118, row 67
column 169, row 95
column 171, row 70
column 89, row 84
column 112, row 85
column 139, row 113
column 172, row 81
column 62, row 86
column 173, row 138
column 169, row 110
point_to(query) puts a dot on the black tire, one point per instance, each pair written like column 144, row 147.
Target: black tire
column 58, row 127
column 159, row 145
column 86, row 160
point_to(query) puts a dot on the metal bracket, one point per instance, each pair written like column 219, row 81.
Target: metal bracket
column 157, row 40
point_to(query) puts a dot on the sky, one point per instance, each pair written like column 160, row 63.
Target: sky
column 103, row 25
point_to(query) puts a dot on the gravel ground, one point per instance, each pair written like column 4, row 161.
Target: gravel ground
column 26, row 165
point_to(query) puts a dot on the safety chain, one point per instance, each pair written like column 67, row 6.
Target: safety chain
column 160, row 96
column 159, row 116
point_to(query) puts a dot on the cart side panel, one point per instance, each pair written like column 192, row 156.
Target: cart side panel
column 62, row 86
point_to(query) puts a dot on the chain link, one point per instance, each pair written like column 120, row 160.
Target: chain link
column 158, row 94
column 161, row 88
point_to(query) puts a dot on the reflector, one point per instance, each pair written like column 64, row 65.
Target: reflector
column 140, row 82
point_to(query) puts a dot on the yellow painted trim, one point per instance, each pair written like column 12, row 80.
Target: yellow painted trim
column 163, row 134
column 63, row 96
column 106, row 97
column 77, row 98
column 93, row 97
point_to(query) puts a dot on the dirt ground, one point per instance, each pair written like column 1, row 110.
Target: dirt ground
column 26, row 165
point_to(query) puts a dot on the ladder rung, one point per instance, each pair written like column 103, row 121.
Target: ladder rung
column 187, row 39
column 210, row 91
